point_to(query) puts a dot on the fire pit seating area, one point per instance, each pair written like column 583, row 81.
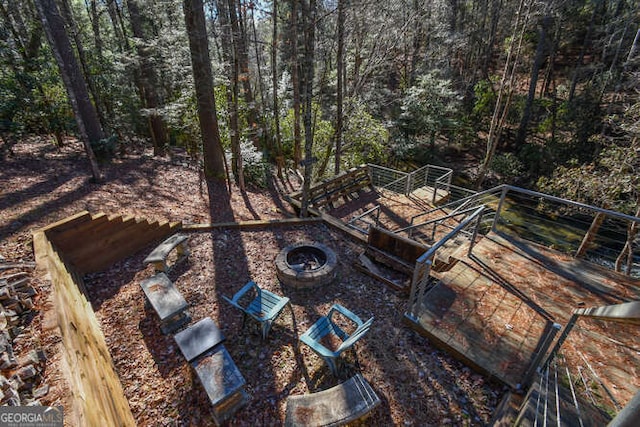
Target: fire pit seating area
column 338, row 405
column 160, row 254
column 261, row 305
column 301, row 265
column 201, row 343
column 325, row 332
column 306, row 265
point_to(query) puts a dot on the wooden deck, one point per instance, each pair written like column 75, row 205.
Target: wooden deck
column 494, row 308
column 396, row 209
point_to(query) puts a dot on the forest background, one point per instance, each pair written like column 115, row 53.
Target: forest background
column 541, row 94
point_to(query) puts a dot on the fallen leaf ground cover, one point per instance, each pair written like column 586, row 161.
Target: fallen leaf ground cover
column 418, row 384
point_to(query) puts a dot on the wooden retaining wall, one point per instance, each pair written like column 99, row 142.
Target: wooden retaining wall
column 68, row 249
column 92, row 243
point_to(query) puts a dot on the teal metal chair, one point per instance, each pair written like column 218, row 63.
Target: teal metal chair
column 263, row 306
column 326, row 326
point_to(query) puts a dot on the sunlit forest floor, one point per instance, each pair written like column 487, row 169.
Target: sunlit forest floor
column 418, row 384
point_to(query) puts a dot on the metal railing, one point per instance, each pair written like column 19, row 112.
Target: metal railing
column 437, row 177
column 456, row 192
column 443, row 214
column 421, row 282
column 389, row 179
column 598, row 235
column 474, row 199
column 434, row 224
column 363, row 219
column 580, row 389
column 582, row 231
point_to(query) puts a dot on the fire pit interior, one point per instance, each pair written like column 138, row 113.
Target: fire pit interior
column 306, row 258
column 306, row 265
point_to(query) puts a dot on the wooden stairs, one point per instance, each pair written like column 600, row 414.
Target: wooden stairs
column 93, row 242
column 449, row 254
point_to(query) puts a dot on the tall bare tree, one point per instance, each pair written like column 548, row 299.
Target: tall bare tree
column 340, row 83
column 82, row 57
column 258, row 55
column 214, row 163
column 308, row 72
column 545, row 24
column 295, row 82
column 231, row 57
column 84, row 111
column 506, row 90
column 148, row 82
column 238, row 29
column 276, row 105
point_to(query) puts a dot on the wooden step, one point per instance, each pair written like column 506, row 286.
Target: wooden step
column 130, row 241
column 97, row 229
column 103, row 246
column 68, row 223
column 70, row 236
column 109, row 231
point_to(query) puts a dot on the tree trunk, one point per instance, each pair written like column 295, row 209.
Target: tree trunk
column 95, row 26
column 416, row 44
column 82, row 57
column 148, row 81
column 230, row 55
column 634, row 48
column 265, row 133
column 309, row 16
column 295, row 82
column 590, row 234
column 235, row 92
column 340, row 83
column 583, row 49
column 214, row 164
column 551, row 63
column 453, row 18
column 533, row 83
column 242, row 58
column 116, row 25
column 274, row 75
column 506, row 89
column 496, row 7
column 84, row 111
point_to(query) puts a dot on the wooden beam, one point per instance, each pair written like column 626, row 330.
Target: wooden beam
column 69, row 222
column 366, row 266
column 628, row 312
column 251, row 224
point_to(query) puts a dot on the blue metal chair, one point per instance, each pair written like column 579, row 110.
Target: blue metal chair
column 326, row 326
column 264, row 307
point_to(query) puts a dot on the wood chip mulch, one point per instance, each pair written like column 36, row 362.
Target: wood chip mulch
column 418, row 384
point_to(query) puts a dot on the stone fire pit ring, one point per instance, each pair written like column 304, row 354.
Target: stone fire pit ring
column 306, row 265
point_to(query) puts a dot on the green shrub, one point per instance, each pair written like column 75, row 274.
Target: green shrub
column 104, row 149
column 255, row 167
column 507, row 165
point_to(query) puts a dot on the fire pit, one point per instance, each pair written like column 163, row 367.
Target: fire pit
column 306, row 265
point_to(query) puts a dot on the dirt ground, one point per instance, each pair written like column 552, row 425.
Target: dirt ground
column 418, row 385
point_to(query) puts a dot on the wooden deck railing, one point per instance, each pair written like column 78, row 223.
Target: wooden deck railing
column 547, row 403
